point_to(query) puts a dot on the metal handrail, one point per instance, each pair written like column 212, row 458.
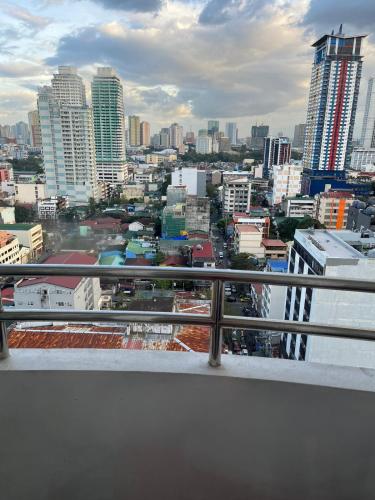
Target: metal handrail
column 216, row 320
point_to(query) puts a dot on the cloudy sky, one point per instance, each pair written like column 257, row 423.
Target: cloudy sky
column 180, row 60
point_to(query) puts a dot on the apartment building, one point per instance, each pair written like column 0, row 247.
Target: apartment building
column 331, row 253
column 109, row 126
column 68, row 141
column 248, row 239
column 236, row 194
column 332, row 208
column 197, row 214
column 9, row 249
column 60, row 292
column 28, row 235
column 30, row 193
column 192, row 178
column 286, row 182
column 300, row 206
column 49, row 208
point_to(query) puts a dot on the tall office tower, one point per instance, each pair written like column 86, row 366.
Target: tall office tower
column 21, row 132
column 231, row 132
column 68, row 139
column 213, row 127
column 109, row 126
column 176, row 134
column 5, row 131
column 164, row 138
column 145, row 133
column 277, row 151
column 258, row 134
column 202, row 132
column 134, row 131
column 341, row 254
column 334, row 88
column 368, row 125
column 35, row 131
column 204, row 144
column 299, row 135
column 155, row 140
column 68, row 88
column 190, row 138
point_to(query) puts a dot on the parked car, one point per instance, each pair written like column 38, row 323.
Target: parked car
column 231, row 298
column 221, row 255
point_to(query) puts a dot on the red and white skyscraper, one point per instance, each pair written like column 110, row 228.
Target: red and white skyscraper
column 332, row 107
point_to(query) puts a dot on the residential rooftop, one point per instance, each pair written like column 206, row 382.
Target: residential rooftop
column 326, row 244
column 247, row 228
column 70, row 258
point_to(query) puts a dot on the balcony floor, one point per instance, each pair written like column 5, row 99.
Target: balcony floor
column 110, row 424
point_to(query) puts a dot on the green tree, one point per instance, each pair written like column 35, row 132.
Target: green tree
column 211, row 191
column 164, row 284
column 159, row 258
column 244, row 261
column 288, row 226
column 166, row 183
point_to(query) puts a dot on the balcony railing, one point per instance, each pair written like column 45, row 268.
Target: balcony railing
column 217, row 320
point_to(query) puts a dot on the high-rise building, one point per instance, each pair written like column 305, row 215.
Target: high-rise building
column 204, row 144
column 35, row 131
column 190, row 138
column 332, row 107
column 299, row 135
column 367, row 140
column 224, row 144
column 176, row 135
column 134, row 131
column 68, row 138
column 258, row 134
column 231, row 132
column 342, row 254
column 109, row 126
column 164, row 138
column 68, row 88
column 22, row 133
column 6, row 131
column 213, row 126
column 202, row 131
column 286, row 181
column 145, row 134
column 277, row 151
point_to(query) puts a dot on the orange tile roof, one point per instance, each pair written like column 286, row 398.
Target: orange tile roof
column 28, row 339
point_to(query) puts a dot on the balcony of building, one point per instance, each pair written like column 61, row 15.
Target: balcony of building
column 103, row 424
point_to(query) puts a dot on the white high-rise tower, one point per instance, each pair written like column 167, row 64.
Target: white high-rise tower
column 68, row 138
column 368, row 125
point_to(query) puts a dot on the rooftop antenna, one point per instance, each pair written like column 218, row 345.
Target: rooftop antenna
column 340, row 30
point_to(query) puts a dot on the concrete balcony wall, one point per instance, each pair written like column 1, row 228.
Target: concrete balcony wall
column 97, row 425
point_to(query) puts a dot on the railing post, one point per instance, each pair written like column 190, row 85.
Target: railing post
column 4, row 351
column 217, row 314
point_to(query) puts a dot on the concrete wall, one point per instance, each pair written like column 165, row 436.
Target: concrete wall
column 89, row 424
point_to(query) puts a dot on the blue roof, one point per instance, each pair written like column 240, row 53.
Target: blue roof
column 278, row 266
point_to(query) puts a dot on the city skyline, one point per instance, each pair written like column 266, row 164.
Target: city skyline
column 190, row 89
